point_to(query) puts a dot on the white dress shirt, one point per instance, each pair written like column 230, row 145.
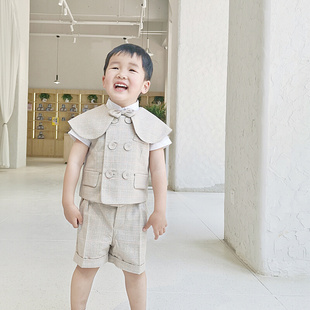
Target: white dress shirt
column 135, row 106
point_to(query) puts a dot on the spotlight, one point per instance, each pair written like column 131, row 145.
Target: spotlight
column 56, row 80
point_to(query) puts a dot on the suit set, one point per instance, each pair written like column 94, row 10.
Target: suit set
column 114, row 184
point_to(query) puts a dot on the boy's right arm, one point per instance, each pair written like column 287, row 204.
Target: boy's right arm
column 74, row 165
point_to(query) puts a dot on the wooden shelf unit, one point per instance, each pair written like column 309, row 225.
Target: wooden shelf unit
column 48, row 121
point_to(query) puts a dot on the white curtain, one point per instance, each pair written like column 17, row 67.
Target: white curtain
column 9, row 61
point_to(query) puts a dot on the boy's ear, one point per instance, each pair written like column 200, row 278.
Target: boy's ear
column 146, row 86
column 103, row 78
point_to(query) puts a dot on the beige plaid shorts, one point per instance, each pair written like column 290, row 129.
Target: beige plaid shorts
column 112, row 234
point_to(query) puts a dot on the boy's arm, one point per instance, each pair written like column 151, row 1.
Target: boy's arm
column 74, row 164
column 159, row 182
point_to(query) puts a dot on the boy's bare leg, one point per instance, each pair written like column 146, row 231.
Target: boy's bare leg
column 81, row 284
column 136, row 290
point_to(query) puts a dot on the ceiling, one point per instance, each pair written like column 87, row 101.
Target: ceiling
column 99, row 18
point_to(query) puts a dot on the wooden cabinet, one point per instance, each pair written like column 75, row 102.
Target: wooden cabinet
column 48, row 119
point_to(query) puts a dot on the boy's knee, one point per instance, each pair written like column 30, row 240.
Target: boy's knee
column 86, row 272
column 134, row 276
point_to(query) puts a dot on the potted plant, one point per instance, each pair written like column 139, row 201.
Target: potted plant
column 158, row 100
column 92, row 98
column 44, row 97
column 158, row 110
column 67, row 97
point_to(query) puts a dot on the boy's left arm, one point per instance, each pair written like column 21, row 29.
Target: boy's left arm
column 159, row 183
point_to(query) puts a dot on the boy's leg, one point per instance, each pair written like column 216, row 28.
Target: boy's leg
column 136, row 290
column 81, row 284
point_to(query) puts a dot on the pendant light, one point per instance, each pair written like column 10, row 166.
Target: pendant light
column 57, row 79
column 147, row 32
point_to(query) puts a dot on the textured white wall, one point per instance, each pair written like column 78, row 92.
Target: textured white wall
column 267, row 217
column 288, row 170
column 198, row 63
column 243, row 129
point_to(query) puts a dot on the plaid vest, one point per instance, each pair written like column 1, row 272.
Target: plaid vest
column 117, row 163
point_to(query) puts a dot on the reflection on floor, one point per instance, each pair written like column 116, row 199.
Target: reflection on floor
column 189, row 268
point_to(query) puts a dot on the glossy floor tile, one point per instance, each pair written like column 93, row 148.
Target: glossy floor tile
column 189, row 268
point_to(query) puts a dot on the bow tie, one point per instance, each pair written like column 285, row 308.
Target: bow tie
column 119, row 113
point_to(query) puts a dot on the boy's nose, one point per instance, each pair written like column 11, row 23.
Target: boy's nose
column 121, row 75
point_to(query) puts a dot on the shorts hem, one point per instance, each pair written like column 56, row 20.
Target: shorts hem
column 90, row 262
column 126, row 266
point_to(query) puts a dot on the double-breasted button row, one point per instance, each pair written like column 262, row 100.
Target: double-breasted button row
column 126, row 119
column 112, row 173
column 113, row 145
column 125, row 175
column 128, row 146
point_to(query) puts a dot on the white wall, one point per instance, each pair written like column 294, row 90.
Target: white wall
column 267, row 216
column 81, row 64
column 198, row 64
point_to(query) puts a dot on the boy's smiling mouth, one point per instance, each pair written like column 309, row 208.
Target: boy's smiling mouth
column 120, row 86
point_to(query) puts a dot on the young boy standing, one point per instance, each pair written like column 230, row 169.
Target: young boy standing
column 118, row 144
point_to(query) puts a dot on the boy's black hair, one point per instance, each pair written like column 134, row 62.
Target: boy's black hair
column 132, row 49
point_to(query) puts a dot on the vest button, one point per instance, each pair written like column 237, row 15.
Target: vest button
column 127, row 120
column 110, row 173
column 125, row 175
column 127, row 146
column 112, row 145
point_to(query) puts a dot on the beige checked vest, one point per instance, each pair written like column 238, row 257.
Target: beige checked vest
column 117, row 163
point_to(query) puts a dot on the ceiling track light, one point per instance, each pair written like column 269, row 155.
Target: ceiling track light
column 147, row 32
column 57, row 78
column 148, row 47
column 66, row 11
column 125, row 40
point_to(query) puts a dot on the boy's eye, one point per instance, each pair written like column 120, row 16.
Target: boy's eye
column 132, row 70
column 114, row 68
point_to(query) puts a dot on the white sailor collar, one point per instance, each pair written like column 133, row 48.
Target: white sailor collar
column 113, row 106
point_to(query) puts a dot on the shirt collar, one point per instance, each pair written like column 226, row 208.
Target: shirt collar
column 113, row 106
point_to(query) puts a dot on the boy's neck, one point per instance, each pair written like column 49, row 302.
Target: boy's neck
column 113, row 104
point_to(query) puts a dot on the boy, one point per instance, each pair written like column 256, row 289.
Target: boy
column 118, row 143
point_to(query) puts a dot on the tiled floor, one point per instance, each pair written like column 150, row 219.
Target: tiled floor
column 189, row 268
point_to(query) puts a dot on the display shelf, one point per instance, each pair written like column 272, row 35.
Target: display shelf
column 47, row 121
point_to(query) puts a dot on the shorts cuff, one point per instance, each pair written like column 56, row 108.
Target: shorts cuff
column 90, row 262
column 126, row 266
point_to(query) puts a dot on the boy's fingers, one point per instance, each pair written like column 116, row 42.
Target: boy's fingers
column 75, row 224
column 80, row 219
column 147, row 226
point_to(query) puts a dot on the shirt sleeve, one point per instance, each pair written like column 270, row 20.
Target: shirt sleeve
column 161, row 144
column 75, row 136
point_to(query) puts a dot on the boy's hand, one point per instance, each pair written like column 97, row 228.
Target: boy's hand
column 159, row 223
column 73, row 215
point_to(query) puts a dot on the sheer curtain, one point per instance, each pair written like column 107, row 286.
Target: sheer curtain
column 9, row 61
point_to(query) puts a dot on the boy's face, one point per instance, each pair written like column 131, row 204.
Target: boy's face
column 124, row 79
